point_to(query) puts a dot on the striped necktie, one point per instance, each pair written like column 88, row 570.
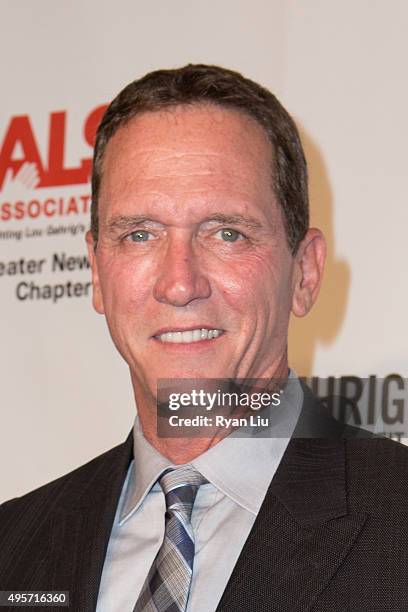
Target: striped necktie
column 167, row 585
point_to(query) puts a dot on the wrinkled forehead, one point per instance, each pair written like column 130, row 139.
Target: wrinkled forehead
column 200, row 143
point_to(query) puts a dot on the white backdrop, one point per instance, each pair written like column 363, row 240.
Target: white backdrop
column 339, row 68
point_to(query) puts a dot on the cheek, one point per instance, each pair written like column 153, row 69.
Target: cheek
column 125, row 287
column 257, row 284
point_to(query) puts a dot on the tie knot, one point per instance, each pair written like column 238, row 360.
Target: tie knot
column 180, row 486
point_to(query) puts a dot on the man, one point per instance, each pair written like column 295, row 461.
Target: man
column 200, row 249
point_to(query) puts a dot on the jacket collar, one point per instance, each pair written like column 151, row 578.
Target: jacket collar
column 304, row 529
column 81, row 524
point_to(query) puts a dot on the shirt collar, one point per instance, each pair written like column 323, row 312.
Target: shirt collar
column 148, row 464
column 240, row 467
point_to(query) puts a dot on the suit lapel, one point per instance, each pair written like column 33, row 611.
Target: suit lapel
column 303, row 530
column 81, row 525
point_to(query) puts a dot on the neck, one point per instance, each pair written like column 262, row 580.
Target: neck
column 185, row 449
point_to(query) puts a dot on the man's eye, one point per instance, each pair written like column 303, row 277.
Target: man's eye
column 230, row 235
column 139, row 236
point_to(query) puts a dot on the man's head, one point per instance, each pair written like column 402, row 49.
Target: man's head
column 193, row 236
column 198, row 84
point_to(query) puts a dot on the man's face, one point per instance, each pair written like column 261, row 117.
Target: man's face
column 192, row 238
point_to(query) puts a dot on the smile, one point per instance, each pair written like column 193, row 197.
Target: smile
column 192, row 335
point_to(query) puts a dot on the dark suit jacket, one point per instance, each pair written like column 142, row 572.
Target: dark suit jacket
column 331, row 535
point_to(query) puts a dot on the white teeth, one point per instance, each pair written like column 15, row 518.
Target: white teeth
column 187, row 336
column 196, row 335
column 177, row 337
column 193, row 335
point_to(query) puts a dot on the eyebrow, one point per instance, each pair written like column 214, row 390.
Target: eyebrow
column 125, row 222
column 249, row 222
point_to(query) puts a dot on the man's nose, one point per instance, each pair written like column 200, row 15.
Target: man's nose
column 180, row 278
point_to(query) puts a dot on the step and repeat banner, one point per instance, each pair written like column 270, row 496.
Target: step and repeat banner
column 338, row 67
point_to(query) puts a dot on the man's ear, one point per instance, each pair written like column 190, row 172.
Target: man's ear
column 309, row 265
column 97, row 300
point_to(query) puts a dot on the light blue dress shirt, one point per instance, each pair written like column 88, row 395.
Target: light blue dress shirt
column 239, row 471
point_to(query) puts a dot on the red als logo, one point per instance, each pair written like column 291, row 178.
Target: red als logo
column 29, row 168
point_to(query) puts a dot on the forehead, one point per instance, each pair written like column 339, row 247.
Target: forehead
column 202, row 149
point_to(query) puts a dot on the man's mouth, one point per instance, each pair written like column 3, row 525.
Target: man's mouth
column 190, row 335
